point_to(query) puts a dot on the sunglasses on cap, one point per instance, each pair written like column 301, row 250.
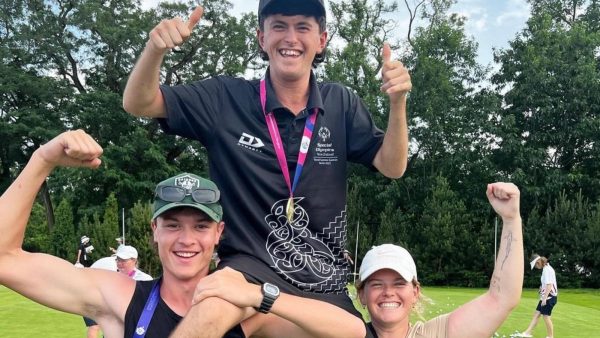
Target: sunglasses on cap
column 178, row 194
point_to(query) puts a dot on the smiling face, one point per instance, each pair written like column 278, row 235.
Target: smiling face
column 389, row 298
column 126, row 265
column 186, row 239
column 291, row 42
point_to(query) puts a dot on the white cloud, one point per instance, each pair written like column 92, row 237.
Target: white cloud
column 517, row 10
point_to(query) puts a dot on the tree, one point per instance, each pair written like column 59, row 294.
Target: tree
column 64, row 242
column 551, row 114
column 139, row 235
column 37, row 236
column 447, row 243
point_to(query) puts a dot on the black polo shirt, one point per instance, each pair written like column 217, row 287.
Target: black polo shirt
column 225, row 115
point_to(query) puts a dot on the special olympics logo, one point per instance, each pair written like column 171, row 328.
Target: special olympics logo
column 324, row 134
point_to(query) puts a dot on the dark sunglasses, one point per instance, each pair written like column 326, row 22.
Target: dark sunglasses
column 178, row 194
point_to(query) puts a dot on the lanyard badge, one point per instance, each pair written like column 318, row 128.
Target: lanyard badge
column 277, row 144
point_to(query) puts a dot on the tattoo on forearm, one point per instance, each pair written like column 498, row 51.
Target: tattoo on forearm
column 508, row 239
column 495, row 284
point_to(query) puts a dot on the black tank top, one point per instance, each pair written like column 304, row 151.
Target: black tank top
column 163, row 321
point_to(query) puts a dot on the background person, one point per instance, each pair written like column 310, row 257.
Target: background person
column 127, row 263
column 294, row 191
column 389, row 288
column 548, row 297
column 119, row 243
column 83, row 252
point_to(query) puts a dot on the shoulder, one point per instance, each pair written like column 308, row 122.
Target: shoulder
column 231, row 82
column 435, row 327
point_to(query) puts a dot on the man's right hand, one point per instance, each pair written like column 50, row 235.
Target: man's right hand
column 173, row 32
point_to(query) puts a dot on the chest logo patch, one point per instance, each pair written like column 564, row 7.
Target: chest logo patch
column 250, row 142
column 324, row 150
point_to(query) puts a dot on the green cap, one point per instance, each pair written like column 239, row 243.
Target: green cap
column 189, row 182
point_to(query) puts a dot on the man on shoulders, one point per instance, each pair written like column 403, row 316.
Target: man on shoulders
column 278, row 147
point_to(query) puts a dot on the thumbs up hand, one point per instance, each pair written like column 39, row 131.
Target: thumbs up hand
column 396, row 80
column 173, row 32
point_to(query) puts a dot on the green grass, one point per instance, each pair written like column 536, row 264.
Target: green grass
column 22, row 318
column 577, row 314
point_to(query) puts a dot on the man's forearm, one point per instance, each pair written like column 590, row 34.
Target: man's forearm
column 392, row 157
column 317, row 318
column 142, row 89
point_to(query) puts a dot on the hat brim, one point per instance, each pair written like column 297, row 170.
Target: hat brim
column 404, row 273
column 213, row 215
column 532, row 263
column 125, row 257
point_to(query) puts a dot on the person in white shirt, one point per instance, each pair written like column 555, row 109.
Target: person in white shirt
column 548, row 297
column 127, row 263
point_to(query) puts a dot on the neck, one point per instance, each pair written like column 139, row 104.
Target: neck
column 178, row 293
column 392, row 330
column 293, row 94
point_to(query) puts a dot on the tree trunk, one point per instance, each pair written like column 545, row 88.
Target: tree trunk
column 48, row 206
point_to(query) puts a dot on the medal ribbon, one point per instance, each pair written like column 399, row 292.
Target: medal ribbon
column 278, row 145
column 146, row 316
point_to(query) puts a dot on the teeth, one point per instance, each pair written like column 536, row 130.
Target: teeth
column 289, row 52
column 389, row 305
column 185, row 254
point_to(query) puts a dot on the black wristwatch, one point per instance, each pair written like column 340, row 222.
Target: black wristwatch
column 270, row 293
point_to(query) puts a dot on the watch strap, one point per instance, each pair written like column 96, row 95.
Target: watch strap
column 267, row 301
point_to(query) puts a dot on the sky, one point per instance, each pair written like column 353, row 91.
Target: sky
column 491, row 23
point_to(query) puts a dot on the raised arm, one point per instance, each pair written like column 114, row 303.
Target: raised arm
column 43, row 278
column 392, row 157
column 290, row 316
column 142, row 96
column 483, row 315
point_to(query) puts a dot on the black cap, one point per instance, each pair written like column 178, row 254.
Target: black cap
column 291, row 7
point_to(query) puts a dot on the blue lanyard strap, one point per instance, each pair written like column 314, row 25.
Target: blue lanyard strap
column 142, row 326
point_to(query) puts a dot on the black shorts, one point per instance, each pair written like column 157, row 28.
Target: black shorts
column 89, row 322
column 257, row 272
column 546, row 310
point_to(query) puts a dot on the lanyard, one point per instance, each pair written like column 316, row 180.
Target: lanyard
column 277, row 144
column 142, row 326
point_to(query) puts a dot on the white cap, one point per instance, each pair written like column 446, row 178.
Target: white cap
column 126, row 252
column 388, row 256
column 532, row 263
column 84, row 239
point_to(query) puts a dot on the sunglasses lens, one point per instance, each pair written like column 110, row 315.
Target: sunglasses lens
column 205, row 196
column 172, row 194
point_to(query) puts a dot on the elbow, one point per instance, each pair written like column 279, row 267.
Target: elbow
column 394, row 173
column 131, row 108
column 390, row 168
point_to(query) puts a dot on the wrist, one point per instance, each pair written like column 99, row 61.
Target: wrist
column 153, row 50
column 270, row 293
column 512, row 220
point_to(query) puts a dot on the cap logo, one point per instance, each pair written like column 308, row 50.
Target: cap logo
column 187, row 182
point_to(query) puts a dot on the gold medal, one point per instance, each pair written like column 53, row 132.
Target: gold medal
column 289, row 209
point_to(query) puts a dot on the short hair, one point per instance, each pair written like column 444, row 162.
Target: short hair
column 287, row 10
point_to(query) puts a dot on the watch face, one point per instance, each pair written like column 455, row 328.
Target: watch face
column 271, row 289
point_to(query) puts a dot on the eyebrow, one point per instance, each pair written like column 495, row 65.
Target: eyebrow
column 282, row 22
column 200, row 218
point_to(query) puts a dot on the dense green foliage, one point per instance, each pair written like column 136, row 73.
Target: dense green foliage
column 534, row 121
